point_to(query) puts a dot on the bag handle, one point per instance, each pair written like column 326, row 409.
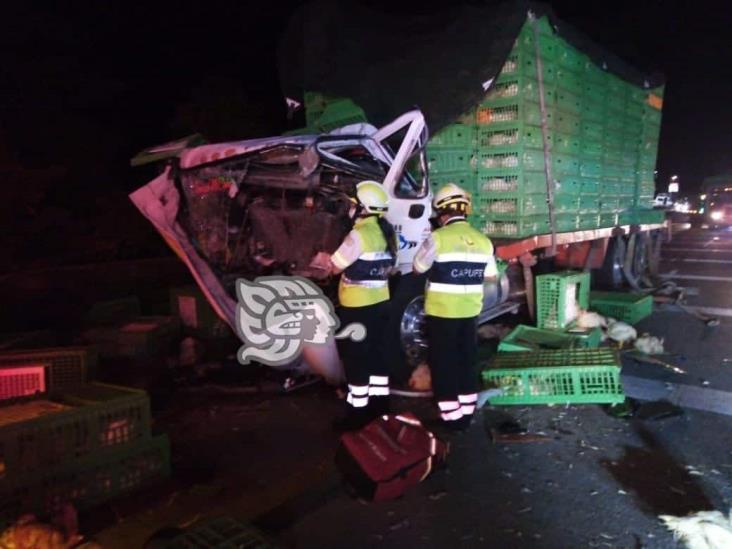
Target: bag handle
column 433, row 442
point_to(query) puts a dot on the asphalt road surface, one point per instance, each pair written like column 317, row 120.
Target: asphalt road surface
column 596, row 481
column 599, row 481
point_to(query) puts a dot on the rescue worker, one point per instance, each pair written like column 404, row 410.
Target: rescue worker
column 366, row 258
column 457, row 258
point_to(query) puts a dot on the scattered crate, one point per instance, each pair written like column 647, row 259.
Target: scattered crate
column 67, row 366
column 220, row 533
column 575, row 376
column 527, row 338
column 589, row 338
column 49, row 432
column 559, row 296
column 196, row 315
column 139, row 337
column 113, row 311
column 95, row 479
column 22, row 381
column 630, row 308
column 27, row 340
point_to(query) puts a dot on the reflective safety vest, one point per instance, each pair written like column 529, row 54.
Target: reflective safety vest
column 455, row 280
column 365, row 281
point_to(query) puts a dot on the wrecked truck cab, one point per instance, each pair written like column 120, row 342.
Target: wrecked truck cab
column 269, row 206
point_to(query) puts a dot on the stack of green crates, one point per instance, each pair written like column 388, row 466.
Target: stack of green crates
column 83, row 445
column 451, row 156
column 602, row 134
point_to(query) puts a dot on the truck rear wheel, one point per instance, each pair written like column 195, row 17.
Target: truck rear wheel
column 405, row 345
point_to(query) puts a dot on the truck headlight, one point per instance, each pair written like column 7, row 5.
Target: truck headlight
column 717, row 216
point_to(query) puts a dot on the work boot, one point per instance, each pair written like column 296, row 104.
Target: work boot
column 378, row 406
column 353, row 420
column 463, row 424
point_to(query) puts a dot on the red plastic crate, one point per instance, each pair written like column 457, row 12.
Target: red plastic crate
column 20, row 381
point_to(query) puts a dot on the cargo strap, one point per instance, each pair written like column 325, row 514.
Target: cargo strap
column 545, row 136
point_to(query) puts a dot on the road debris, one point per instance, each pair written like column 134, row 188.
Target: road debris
column 641, row 358
column 702, row 530
column 649, row 345
column 659, row 409
column 399, row 525
column 693, row 471
column 511, row 432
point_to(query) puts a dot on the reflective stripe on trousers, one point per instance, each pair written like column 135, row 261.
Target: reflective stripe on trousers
column 358, row 396
column 450, row 410
column 378, row 385
column 468, row 403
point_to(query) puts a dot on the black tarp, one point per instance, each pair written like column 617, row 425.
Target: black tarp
column 436, row 60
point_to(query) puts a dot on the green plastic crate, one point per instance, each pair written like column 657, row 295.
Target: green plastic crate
column 630, row 308
column 559, row 296
column 113, row 311
column 507, row 181
column 197, row 317
column 67, row 366
column 511, row 115
column 340, row 112
column 509, row 205
column 526, row 136
column 589, row 338
column 454, row 135
column 145, row 336
column 464, row 179
column 565, row 222
column 27, row 340
column 522, row 62
column 444, row 160
column 570, row 376
column 97, row 478
column 568, row 101
column 527, row 338
column 608, row 220
column 497, row 160
column 513, row 228
column 569, row 79
column 588, row 221
column 220, row 533
column 649, row 217
column 69, row 426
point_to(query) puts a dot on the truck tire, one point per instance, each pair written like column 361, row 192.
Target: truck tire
column 407, row 304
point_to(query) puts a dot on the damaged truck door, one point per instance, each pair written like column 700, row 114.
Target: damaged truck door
column 268, row 206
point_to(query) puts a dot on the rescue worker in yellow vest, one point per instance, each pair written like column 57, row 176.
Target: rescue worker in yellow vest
column 366, row 257
column 457, row 259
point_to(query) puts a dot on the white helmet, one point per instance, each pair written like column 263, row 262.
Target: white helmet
column 452, row 199
column 372, row 197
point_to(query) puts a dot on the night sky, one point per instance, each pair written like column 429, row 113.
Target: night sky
column 88, row 84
